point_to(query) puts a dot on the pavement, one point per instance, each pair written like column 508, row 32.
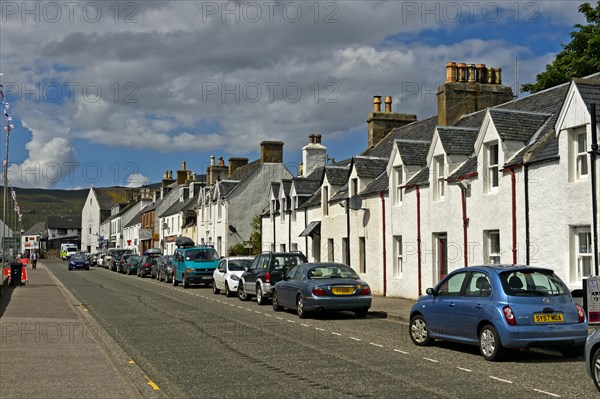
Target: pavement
column 50, row 347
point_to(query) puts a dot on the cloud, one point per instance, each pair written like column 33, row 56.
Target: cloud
column 137, row 180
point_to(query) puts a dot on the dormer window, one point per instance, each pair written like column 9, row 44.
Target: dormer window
column 294, row 206
column 492, row 171
column 283, row 209
column 440, row 177
column 398, row 180
column 354, row 187
column 581, row 155
column 325, row 200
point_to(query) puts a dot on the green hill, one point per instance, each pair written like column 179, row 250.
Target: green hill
column 37, row 204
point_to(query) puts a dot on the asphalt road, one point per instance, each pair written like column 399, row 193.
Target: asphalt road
column 194, row 344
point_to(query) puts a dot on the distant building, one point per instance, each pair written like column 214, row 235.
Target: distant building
column 62, row 230
column 31, row 239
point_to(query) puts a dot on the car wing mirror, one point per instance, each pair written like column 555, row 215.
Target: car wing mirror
column 430, row 291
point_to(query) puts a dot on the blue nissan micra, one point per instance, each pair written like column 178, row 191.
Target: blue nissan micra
column 500, row 307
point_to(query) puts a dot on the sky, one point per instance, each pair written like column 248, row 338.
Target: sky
column 107, row 93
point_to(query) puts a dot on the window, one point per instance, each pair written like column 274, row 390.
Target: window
column 492, row 167
column 583, row 252
column 354, row 187
column 492, row 246
column 294, row 247
column 453, row 285
column 345, row 259
column 219, row 209
column 398, row 265
column 283, row 209
column 479, row 285
column 330, row 250
column 219, row 242
column 362, row 250
column 440, row 176
column 581, row 157
column 398, row 183
column 294, row 206
column 325, row 200
column 281, row 247
column 61, row 231
column 441, row 254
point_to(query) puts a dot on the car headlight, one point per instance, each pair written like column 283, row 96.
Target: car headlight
column 234, row 277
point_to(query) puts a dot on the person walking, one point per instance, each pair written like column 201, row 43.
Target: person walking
column 34, row 258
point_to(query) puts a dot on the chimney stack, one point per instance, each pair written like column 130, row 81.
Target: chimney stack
column 167, row 179
column 475, row 88
column 314, row 155
column 311, row 138
column 182, row 174
column 379, row 124
column 271, row 151
column 235, row 163
column 215, row 172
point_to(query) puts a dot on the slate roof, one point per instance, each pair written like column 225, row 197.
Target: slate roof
column 178, row 206
column 421, row 177
column 306, row 187
column 109, row 196
column 337, row 175
column 312, row 201
column 457, row 140
column 517, row 125
column 413, row 152
column 136, row 219
column 66, row 222
column 245, row 175
column 36, row 229
column 419, row 130
column 316, row 174
column 589, row 89
column 380, row 184
column 226, row 187
column 152, row 206
column 368, row 167
column 340, row 195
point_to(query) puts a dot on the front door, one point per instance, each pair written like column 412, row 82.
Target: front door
column 441, row 258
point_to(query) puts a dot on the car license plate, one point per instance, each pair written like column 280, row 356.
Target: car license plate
column 548, row 318
column 342, row 290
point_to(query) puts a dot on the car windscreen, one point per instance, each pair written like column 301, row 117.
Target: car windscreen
column 201, row 254
column 288, row 261
column 332, row 271
column 78, row 258
column 532, row 283
column 239, row 264
column 71, row 249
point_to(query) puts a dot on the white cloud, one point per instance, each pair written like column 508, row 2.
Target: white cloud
column 137, row 180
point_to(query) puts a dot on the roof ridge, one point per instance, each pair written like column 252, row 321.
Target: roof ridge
column 515, row 111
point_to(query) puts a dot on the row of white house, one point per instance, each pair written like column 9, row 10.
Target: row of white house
column 487, row 180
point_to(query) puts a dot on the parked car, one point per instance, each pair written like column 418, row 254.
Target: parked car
column 165, row 269
column 122, row 263
column 113, row 256
column 592, row 357
column 100, row 260
column 322, row 286
column 266, row 269
column 193, row 264
column 132, row 264
column 227, row 274
column 94, row 259
column 498, row 308
column 145, row 265
column 78, row 261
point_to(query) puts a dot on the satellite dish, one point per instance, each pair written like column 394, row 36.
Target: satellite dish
column 355, row 202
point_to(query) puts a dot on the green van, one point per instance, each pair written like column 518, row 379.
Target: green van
column 194, row 264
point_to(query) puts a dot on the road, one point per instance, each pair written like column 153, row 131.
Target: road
column 194, row 344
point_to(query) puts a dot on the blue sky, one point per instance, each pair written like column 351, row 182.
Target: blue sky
column 114, row 93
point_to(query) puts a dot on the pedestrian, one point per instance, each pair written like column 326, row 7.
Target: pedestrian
column 34, row 258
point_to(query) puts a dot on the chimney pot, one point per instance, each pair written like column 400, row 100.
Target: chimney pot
column 462, row 71
column 451, row 72
column 212, row 160
column 166, row 175
column 481, row 78
column 221, row 161
column 498, row 76
column 471, row 73
column 490, row 75
column 182, row 165
column 318, row 137
column 311, row 138
column 388, row 104
column 170, row 174
column 376, row 103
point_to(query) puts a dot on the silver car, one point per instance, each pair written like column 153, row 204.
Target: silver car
column 592, row 356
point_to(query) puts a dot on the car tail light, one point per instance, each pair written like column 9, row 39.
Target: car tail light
column 366, row 290
column 509, row 316
column 318, row 291
column 268, row 277
column 580, row 313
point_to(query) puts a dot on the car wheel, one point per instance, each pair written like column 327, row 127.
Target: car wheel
column 174, row 280
column 260, row 298
column 185, row 283
column 361, row 313
column 242, row 295
column 489, row 344
column 300, row 307
column 572, row 352
column 275, row 302
column 596, row 368
column 215, row 289
column 228, row 292
column 419, row 333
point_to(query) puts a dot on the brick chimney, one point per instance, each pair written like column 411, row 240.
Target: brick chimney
column 314, row 155
column 215, row 172
column 469, row 88
column 235, row 163
column 271, row 151
column 167, row 179
column 182, row 174
column 381, row 123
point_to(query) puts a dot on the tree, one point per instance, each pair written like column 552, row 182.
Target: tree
column 579, row 58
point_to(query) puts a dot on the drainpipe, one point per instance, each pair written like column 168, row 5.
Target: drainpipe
column 527, row 250
column 348, row 230
column 274, row 235
column 513, row 180
column 384, row 243
column 593, row 154
column 305, row 226
column 290, row 230
column 419, row 236
column 463, row 192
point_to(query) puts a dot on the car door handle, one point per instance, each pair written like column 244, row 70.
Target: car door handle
column 478, row 306
column 451, row 304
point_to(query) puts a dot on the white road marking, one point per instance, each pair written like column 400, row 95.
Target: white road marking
column 356, row 339
column 500, row 379
column 256, row 311
column 431, row 360
column 279, row 318
column 304, row 325
column 291, row 321
column 463, row 369
column 547, row 393
column 240, row 307
column 334, row 333
column 398, row 350
column 268, row 315
column 319, row 329
column 374, row 344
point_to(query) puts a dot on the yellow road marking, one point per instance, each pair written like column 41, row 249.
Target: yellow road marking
column 131, row 361
column 153, row 385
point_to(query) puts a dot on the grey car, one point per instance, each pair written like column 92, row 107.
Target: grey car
column 592, row 356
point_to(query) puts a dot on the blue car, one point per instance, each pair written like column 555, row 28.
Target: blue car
column 499, row 308
column 322, row 286
column 79, row 261
column 592, row 357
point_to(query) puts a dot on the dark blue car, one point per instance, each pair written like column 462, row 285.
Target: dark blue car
column 322, row 286
column 499, row 308
column 79, row 261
